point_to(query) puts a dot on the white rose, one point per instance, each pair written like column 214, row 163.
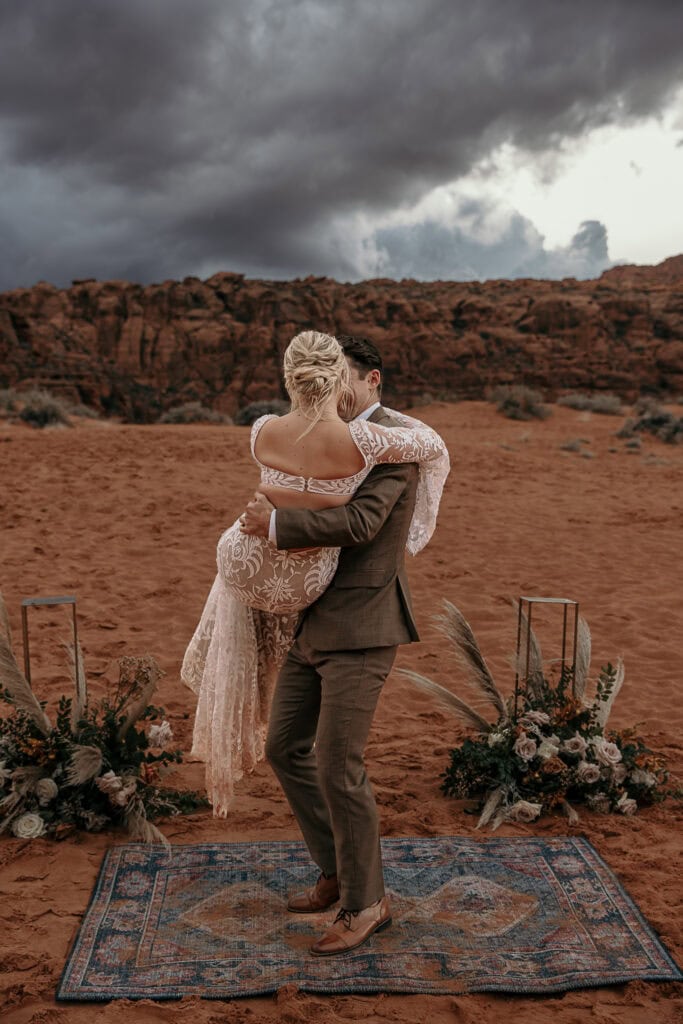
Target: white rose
column 547, row 749
column 46, row 791
column 575, row 745
column 587, row 771
column 121, row 798
column 606, row 753
column 28, row 826
column 641, row 778
column 495, row 739
column 160, row 735
column 524, row 811
column 525, row 747
column 619, row 773
column 626, row 805
column 109, row 783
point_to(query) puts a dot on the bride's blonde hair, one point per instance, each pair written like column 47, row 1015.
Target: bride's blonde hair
column 315, row 369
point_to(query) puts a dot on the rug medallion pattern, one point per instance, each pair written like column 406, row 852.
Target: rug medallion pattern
column 509, row 915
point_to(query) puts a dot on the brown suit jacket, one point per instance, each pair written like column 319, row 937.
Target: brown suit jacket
column 368, row 602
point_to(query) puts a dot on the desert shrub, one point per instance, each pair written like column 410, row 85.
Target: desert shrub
column 250, row 413
column 608, row 405
column 8, row 399
column 41, row 409
column 518, row 402
column 85, row 412
column 194, row 412
column 571, row 446
column 647, row 405
column 651, row 418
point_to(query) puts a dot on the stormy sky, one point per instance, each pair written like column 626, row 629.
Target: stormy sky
column 152, row 139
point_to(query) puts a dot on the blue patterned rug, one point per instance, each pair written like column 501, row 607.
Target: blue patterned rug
column 498, row 915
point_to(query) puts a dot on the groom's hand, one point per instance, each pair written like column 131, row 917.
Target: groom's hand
column 255, row 520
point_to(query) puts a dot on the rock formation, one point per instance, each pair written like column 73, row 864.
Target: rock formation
column 135, row 351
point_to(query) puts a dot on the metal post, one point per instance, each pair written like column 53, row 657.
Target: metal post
column 519, row 639
column 44, row 602
column 530, row 602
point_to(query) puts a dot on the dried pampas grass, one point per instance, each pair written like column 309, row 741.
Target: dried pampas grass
column 448, row 700
column 142, row 675
column 24, row 779
column 140, row 828
column 583, row 658
column 21, row 695
column 570, row 813
column 77, row 667
column 4, row 622
column 457, row 629
column 493, row 802
column 85, row 764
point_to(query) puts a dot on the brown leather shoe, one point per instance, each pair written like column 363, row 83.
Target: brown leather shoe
column 352, row 928
column 324, row 893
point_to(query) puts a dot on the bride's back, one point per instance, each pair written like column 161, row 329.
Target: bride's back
column 326, row 452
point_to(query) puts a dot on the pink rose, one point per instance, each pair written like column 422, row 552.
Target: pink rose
column 587, row 771
column 525, row 747
column 575, row 745
column 606, row 753
column 524, row 811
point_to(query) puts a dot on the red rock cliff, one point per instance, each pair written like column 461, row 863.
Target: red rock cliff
column 135, row 351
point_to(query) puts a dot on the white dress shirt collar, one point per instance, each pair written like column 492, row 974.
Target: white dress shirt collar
column 367, row 413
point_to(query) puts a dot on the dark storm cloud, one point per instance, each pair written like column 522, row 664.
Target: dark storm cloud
column 154, row 138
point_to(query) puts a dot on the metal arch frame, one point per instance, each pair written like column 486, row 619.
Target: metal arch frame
column 529, row 602
column 45, row 602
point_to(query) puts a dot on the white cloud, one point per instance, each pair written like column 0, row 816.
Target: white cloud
column 630, row 178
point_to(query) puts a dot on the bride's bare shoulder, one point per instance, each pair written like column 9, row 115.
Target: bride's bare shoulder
column 274, row 428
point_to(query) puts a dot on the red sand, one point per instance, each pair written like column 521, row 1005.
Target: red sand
column 127, row 518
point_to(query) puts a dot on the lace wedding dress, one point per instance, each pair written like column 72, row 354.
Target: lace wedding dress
column 252, row 610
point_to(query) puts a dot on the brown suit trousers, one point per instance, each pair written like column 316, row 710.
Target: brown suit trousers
column 329, row 686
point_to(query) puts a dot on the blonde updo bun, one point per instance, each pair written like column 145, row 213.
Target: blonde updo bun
column 315, row 369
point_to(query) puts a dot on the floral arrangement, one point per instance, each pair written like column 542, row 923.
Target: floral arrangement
column 96, row 766
column 549, row 746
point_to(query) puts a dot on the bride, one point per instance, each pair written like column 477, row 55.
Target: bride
column 311, row 458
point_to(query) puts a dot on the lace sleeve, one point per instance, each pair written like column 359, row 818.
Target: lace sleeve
column 412, row 441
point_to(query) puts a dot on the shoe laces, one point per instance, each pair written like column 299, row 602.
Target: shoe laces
column 345, row 916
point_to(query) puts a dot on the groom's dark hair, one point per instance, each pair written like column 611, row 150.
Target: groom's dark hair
column 362, row 353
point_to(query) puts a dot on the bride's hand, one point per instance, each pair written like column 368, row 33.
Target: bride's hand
column 255, row 520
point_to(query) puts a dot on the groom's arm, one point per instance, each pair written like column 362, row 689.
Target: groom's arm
column 347, row 525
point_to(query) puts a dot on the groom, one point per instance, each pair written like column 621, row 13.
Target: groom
column 330, row 683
